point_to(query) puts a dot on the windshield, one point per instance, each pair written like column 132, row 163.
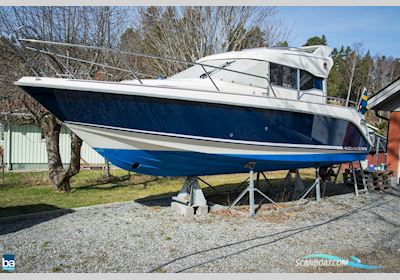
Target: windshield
column 253, row 67
column 197, row 71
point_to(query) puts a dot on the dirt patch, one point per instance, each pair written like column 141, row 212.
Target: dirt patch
column 267, row 212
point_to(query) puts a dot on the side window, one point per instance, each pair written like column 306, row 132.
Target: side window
column 283, row 76
column 309, row 81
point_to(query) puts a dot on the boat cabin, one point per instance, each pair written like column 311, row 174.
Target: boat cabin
column 289, row 73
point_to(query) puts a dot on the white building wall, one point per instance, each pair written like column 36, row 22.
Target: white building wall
column 27, row 148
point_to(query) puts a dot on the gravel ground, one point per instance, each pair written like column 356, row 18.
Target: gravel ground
column 133, row 237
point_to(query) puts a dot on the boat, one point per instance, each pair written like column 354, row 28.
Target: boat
column 264, row 106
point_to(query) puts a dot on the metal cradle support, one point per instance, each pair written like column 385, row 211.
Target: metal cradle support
column 190, row 199
column 251, row 189
column 317, row 186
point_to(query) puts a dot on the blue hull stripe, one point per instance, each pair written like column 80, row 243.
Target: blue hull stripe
column 176, row 163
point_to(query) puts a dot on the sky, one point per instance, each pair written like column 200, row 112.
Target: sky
column 377, row 28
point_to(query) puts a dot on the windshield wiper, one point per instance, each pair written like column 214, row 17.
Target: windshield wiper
column 204, row 75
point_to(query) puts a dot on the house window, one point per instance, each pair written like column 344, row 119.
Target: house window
column 309, row 81
column 283, row 76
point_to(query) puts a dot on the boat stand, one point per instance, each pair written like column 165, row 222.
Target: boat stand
column 190, row 200
column 317, row 186
column 251, row 189
column 324, row 182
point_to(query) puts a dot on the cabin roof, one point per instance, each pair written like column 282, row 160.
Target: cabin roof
column 314, row 59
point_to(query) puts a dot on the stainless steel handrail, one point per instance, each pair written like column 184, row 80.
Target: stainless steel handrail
column 46, row 45
column 341, row 100
column 121, row 52
column 328, row 98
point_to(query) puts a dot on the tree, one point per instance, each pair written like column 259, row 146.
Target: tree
column 363, row 76
column 346, row 75
column 99, row 26
column 384, row 70
column 188, row 33
column 254, row 39
column 355, row 69
column 350, row 63
column 282, row 44
column 316, row 40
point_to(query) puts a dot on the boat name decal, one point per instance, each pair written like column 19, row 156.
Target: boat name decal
column 349, row 148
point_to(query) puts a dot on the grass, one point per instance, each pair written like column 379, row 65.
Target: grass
column 31, row 192
column 56, row 269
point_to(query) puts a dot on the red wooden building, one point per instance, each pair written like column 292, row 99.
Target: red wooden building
column 388, row 99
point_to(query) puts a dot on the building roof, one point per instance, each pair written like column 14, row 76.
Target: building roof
column 387, row 99
column 314, row 59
